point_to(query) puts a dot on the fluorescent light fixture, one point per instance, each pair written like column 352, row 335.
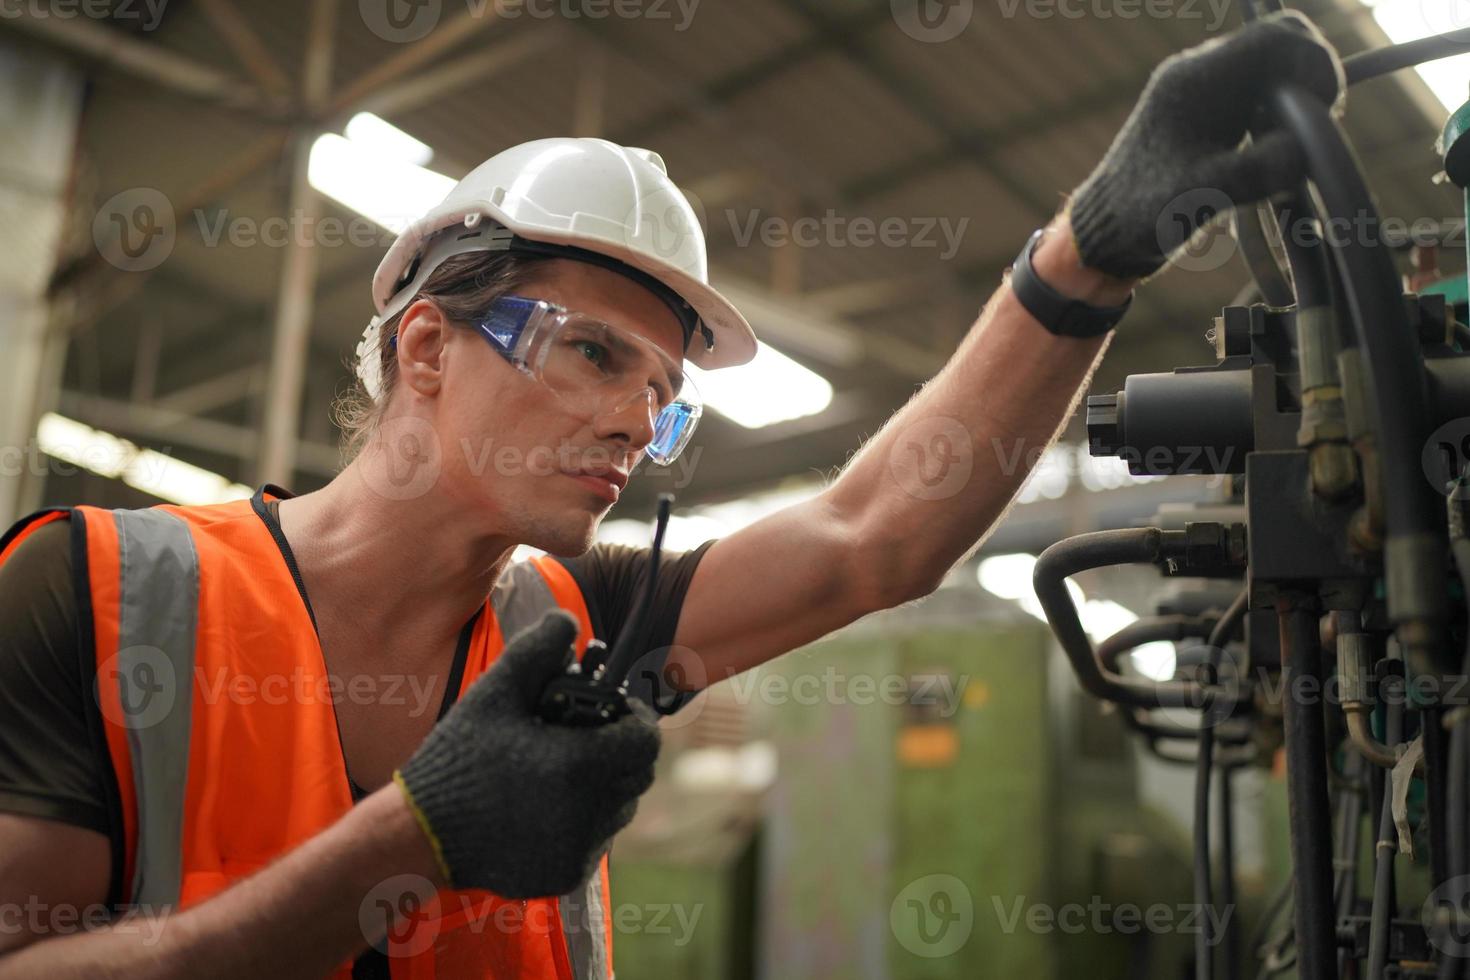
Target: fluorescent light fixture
column 771, row 388
column 144, row 469
column 389, row 190
column 1409, row 20
column 377, row 134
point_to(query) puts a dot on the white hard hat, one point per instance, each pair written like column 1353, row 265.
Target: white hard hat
column 598, row 198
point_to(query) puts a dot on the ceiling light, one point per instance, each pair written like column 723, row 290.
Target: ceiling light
column 1410, row 20
column 770, row 388
column 377, row 134
column 147, row 470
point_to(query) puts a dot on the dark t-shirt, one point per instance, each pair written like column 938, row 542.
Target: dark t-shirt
column 51, row 765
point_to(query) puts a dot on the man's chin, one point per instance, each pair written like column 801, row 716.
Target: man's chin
column 568, row 541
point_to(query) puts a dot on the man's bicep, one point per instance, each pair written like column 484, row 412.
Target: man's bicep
column 50, row 766
column 778, row 584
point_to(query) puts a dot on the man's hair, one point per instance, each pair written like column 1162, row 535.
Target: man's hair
column 463, row 287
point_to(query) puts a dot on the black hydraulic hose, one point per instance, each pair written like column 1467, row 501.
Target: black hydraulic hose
column 1349, row 828
column 1436, row 767
column 1230, row 942
column 1395, row 57
column 1204, row 941
column 1374, row 297
column 1156, row 629
column 1100, row 549
column 1161, row 629
column 1384, row 892
column 1309, row 812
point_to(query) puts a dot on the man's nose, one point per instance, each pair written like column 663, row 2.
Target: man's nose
column 632, row 420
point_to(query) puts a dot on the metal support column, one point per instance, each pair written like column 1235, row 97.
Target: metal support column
column 40, row 100
column 283, row 395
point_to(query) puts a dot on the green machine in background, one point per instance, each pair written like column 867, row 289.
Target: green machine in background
column 964, row 828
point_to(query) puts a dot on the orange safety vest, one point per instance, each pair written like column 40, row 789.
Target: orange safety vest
column 215, row 785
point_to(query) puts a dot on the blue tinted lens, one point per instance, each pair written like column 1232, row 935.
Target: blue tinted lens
column 505, row 320
column 671, row 431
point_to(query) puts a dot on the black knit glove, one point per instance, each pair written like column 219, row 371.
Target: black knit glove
column 514, row 805
column 1178, row 159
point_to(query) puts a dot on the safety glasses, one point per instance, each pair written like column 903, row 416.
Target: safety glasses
column 596, row 368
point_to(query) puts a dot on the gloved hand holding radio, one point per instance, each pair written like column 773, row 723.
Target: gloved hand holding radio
column 513, row 804
column 1178, row 160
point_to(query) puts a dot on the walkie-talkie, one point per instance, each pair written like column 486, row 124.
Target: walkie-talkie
column 595, row 691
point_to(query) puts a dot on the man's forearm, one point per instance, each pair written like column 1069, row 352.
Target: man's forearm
column 941, row 472
column 300, row 917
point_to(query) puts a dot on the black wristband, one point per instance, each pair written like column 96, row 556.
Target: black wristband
column 1062, row 315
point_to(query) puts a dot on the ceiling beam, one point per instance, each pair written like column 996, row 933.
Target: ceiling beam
column 232, row 27
column 431, row 84
column 113, row 48
column 436, row 43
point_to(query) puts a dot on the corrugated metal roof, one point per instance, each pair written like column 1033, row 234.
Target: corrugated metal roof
column 770, row 110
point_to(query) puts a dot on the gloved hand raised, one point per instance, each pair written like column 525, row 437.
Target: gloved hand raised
column 512, row 804
column 1178, row 159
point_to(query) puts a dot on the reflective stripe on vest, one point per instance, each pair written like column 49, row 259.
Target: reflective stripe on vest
column 158, row 617
column 154, row 574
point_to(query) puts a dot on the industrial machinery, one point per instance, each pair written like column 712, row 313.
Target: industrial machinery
column 1324, row 618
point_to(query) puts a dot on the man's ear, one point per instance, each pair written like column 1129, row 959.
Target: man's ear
column 423, row 332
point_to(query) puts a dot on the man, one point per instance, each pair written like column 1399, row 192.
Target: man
column 286, row 834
